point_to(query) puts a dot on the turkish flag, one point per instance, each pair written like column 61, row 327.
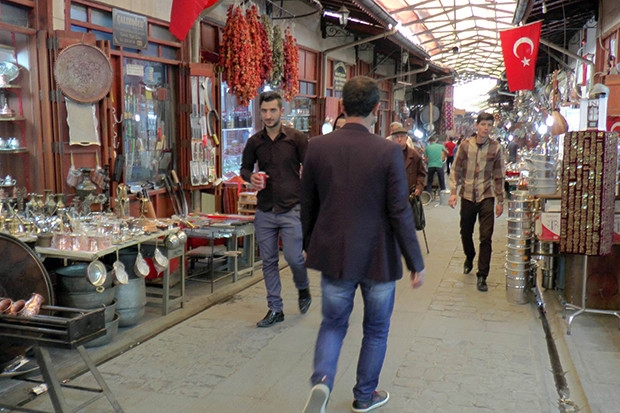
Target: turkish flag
column 520, row 50
column 183, row 14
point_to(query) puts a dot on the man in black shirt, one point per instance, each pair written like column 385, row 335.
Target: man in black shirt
column 279, row 152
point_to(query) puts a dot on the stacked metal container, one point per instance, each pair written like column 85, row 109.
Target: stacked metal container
column 546, row 254
column 520, row 268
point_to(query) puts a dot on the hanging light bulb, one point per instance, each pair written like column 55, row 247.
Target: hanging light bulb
column 343, row 17
column 544, row 7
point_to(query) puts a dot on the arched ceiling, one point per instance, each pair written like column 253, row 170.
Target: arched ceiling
column 463, row 35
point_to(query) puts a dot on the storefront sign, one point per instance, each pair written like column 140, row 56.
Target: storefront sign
column 340, row 75
column 129, row 30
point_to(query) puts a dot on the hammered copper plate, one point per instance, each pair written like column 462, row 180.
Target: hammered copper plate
column 21, row 274
column 83, row 73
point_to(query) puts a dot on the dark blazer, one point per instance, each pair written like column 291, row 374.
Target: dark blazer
column 355, row 208
column 416, row 169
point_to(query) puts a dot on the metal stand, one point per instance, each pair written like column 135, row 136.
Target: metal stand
column 54, row 386
column 583, row 309
column 168, row 297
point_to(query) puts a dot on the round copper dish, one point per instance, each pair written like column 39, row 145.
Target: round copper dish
column 83, row 73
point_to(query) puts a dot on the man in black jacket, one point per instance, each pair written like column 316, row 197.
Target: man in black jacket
column 356, row 220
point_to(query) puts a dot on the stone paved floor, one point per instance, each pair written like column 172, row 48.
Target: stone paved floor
column 451, row 349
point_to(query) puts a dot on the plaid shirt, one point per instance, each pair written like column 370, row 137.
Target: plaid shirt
column 478, row 170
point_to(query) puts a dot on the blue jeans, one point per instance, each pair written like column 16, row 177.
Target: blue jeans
column 268, row 227
column 337, row 305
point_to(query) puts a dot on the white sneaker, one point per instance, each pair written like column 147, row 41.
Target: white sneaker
column 318, row 399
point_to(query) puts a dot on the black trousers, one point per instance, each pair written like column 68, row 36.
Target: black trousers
column 485, row 212
column 449, row 161
column 431, row 176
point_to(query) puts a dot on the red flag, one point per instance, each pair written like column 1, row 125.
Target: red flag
column 183, row 14
column 520, row 50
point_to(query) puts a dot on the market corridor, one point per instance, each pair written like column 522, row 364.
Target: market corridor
column 451, row 349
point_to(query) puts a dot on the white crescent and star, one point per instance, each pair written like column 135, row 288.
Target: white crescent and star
column 520, row 41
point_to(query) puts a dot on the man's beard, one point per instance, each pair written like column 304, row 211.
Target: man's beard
column 276, row 124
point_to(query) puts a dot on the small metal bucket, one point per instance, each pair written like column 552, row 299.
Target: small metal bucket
column 444, row 197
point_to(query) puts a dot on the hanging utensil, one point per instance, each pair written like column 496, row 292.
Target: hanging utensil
column 559, row 125
column 74, row 177
column 212, row 115
column 98, row 176
column 160, row 261
column 96, row 273
column 120, row 273
column 141, row 267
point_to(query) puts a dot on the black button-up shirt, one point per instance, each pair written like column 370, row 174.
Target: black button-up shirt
column 281, row 159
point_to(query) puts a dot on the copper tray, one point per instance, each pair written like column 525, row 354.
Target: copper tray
column 83, row 73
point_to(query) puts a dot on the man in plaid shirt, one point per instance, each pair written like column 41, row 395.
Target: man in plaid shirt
column 477, row 177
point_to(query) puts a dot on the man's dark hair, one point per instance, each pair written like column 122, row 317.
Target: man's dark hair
column 485, row 116
column 360, row 95
column 269, row 96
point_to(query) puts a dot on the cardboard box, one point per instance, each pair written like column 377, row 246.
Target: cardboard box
column 548, row 226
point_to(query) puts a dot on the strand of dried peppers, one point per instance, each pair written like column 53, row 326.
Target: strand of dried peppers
column 291, row 66
column 236, row 56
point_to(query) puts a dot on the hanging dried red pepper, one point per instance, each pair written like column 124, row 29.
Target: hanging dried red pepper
column 237, row 56
column 290, row 84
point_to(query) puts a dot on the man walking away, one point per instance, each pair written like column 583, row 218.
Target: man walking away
column 357, row 221
column 279, row 152
column 435, row 154
column 450, row 145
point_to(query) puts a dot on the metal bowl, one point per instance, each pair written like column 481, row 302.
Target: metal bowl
column 172, row 242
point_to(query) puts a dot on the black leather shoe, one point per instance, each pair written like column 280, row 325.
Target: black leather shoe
column 304, row 304
column 304, row 300
column 468, row 266
column 482, row 284
column 271, row 318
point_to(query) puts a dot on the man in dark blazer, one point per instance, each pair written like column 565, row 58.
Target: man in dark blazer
column 357, row 221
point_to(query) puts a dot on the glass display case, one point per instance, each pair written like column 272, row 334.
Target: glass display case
column 16, row 113
column 237, row 127
column 147, row 120
column 300, row 114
